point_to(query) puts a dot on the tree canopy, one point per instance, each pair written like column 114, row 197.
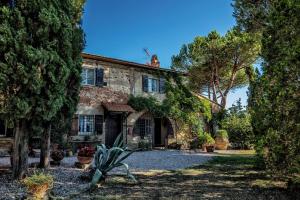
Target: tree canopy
column 275, row 93
column 40, row 45
column 218, row 64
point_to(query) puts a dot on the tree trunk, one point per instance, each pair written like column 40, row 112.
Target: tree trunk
column 45, row 147
column 20, row 150
column 224, row 101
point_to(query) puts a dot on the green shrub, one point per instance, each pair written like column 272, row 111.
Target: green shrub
column 38, row 179
column 144, row 145
column 237, row 123
column 206, row 139
column 38, row 184
column 222, row 133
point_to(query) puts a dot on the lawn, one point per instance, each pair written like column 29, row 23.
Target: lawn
column 228, row 176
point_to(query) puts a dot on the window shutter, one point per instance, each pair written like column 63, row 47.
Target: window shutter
column 99, row 77
column 75, row 123
column 98, row 124
column 162, row 85
column 145, row 83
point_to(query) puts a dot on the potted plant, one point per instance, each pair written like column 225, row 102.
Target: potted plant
column 69, row 151
column 38, row 185
column 86, row 155
column 207, row 142
column 222, row 141
column 57, row 155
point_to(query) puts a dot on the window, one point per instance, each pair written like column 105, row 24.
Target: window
column 86, row 124
column 88, row 76
column 142, row 127
column 152, row 85
column 90, row 124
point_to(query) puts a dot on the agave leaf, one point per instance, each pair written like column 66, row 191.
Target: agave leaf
column 114, row 153
column 96, row 178
column 127, row 171
column 117, row 141
column 126, row 156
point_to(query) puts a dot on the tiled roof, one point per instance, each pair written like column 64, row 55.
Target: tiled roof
column 127, row 63
column 113, row 107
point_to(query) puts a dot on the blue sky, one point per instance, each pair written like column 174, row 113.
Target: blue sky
column 122, row 28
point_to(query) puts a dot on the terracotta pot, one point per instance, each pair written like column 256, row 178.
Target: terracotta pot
column 221, row 143
column 210, row 148
column 39, row 192
column 85, row 160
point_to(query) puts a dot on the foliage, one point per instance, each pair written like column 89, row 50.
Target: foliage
column 107, row 159
column 274, row 94
column 185, row 106
column 144, row 145
column 206, row 139
column 40, row 64
column 180, row 104
column 218, row 64
column 57, row 155
column 222, row 133
column 238, row 125
column 251, row 15
column 86, row 152
column 38, row 183
column 150, row 104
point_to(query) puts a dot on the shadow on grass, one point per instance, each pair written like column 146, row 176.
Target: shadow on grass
column 230, row 177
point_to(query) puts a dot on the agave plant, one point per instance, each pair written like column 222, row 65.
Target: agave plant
column 107, row 159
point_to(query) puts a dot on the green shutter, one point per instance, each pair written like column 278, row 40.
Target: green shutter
column 145, row 83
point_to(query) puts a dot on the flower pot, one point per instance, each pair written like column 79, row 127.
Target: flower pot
column 38, row 191
column 85, row 160
column 221, row 143
column 210, row 148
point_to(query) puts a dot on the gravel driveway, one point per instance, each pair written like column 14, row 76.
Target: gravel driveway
column 146, row 160
column 67, row 178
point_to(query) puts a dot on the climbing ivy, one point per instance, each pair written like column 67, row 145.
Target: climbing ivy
column 180, row 104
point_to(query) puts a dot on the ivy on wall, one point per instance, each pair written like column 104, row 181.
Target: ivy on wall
column 179, row 104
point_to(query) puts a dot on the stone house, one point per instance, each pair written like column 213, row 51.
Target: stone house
column 103, row 113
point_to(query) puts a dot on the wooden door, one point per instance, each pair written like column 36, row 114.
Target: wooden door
column 157, row 132
column 113, row 128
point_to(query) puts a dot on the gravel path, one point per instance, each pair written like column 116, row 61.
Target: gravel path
column 67, row 177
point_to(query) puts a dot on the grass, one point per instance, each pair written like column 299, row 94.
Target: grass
column 230, row 176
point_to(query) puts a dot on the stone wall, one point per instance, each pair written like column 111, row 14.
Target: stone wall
column 121, row 80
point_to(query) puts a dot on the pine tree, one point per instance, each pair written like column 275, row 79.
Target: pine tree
column 40, row 63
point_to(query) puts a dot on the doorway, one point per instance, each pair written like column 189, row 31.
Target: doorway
column 157, row 132
column 113, row 128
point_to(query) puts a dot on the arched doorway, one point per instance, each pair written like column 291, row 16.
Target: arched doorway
column 163, row 131
column 155, row 129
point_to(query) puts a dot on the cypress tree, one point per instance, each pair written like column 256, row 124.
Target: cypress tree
column 40, row 65
column 275, row 92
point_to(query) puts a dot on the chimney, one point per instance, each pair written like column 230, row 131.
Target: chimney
column 154, row 61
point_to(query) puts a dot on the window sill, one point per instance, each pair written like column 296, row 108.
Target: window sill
column 99, row 86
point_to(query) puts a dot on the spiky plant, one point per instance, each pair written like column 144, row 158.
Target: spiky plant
column 107, row 159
